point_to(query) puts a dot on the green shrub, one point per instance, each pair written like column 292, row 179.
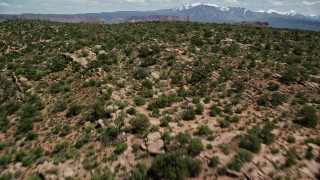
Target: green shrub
column 139, row 172
column 195, row 147
column 222, row 171
column 139, row 101
column 199, row 108
column 6, row 176
column 291, row 158
column 5, row 160
column 57, row 64
column 203, row 131
column 291, row 139
column 160, row 102
column 103, row 175
column 108, row 135
column 132, row 111
column 140, row 74
column 34, row 177
column 121, row 147
column 188, row 114
column 309, row 153
column 290, row 75
column 277, row 99
column 174, row 165
column 263, row 100
column 214, row 161
column 273, row 86
column 214, row 111
column 244, row 155
column 139, row 124
column 250, row 142
column 24, row 126
column 308, row 117
column 4, row 123
column 183, row 138
column 74, row 109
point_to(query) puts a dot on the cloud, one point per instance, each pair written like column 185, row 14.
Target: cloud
column 310, row 3
column 277, row 3
column 3, row 4
column 232, row 1
column 136, row 1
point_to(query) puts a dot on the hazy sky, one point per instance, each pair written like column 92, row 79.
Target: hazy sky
column 307, row 7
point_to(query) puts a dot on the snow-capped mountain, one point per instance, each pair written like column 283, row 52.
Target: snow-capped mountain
column 220, row 14
column 206, row 13
column 287, row 13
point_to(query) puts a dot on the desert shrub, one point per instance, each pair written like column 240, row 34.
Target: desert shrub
column 188, row 114
column 214, row 161
column 59, row 106
column 57, row 64
column 244, row 155
column 174, row 165
column 120, row 148
column 140, row 74
column 309, row 153
column 11, row 106
column 31, row 135
column 203, row 131
column 277, row 99
column 74, row 109
column 195, row 147
column 160, row 102
column 5, row 160
column 224, row 123
column 132, row 111
column 165, row 121
column 24, row 126
column 139, row 172
column 109, row 135
column 263, row 100
column 60, row 147
column 214, row 111
column 235, row 164
column 222, row 171
column 6, row 176
column 291, row 139
column 139, row 101
column 59, row 87
column 290, row 75
column 176, row 78
column 226, row 74
column 196, row 41
column 4, row 123
column 107, row 59
column 235, row 119
column 79, row 143
column 146, row 93
column 273, row 86
column 149, row 61
column 103, row 175
column 308, row 117
column 147, row 84
column 291, row 158
column 183, row 138
column 139, row 124
column 199, row 108
column 228, row 109
column 238, row 86
column 250, row 142
column 34, row 177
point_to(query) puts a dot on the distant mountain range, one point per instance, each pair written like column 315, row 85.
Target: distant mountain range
column 193, row 12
